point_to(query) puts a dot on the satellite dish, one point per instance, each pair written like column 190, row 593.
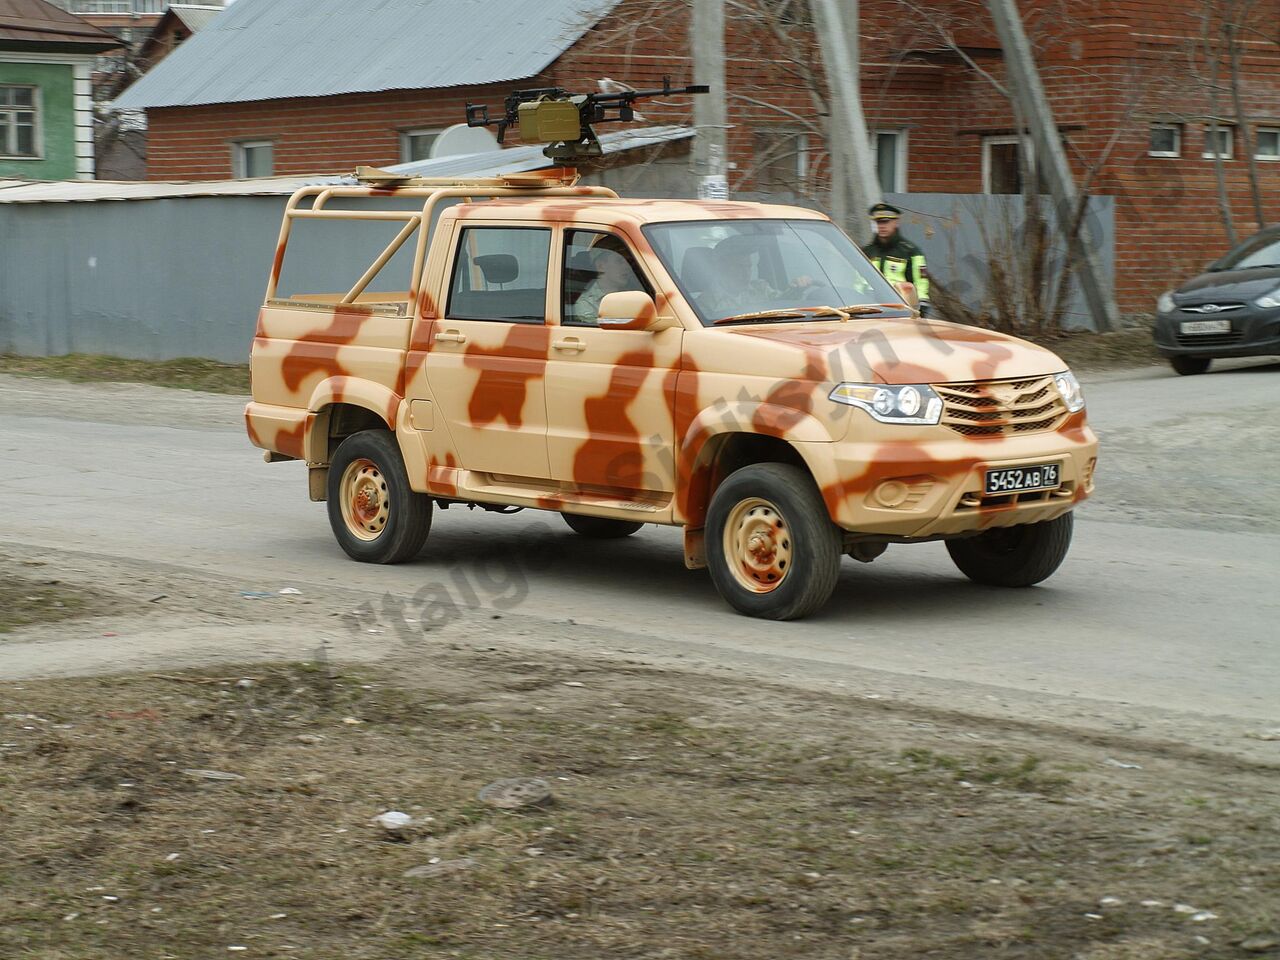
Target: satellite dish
column 460, row 139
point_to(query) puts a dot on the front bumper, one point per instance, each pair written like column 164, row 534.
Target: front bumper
column 881, row 484
column 1254, row 333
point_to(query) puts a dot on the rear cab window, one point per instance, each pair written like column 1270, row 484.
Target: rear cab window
column 500, row 274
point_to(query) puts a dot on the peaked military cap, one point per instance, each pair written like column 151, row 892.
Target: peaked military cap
column 884, row 211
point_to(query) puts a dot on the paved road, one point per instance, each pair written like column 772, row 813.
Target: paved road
column 1168, row 602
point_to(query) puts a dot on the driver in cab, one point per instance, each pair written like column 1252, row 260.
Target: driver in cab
column 737, row 288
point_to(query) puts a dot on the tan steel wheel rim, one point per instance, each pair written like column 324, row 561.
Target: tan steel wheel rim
column 757, row 545
column 366, row 505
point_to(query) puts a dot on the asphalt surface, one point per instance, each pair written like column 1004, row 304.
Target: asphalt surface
column 1166, row 609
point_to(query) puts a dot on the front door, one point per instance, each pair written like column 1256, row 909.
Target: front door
column 487, row 360
column 609, row 392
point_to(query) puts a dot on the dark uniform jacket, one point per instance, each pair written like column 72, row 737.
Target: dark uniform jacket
column 900, row 259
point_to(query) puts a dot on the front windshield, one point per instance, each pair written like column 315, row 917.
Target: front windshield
column 1260, row 251
column 735, row 268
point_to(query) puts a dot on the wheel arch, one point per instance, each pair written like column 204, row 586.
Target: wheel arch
column 346, row 405
column 720, row 455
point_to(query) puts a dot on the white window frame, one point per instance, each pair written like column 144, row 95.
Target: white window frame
column 1223, row 128
column 238, row 147
column 37, row 133
column 1257, row 141
column 900, row 158
column 988, row 142
column 405, row 136
column 1173, row 154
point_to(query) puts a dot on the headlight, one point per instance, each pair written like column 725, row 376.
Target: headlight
column 908, row 403
column 1270, row 301
column 1069, row 387
column 1165, row 302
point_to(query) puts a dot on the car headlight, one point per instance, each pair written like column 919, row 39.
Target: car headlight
column 1069, row 387
column 1165, row 303
column 1270, row 301
column 898, row 403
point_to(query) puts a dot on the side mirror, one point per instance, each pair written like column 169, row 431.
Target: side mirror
column 631, row 310
column 907, row 290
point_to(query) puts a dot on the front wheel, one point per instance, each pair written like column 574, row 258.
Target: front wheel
column 1014, row 556
column 772, row 550
column 1189, row 366
column 376, row 516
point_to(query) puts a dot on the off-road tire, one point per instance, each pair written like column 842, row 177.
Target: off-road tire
column 1189, row 366
column 803, row 530
column 600, row 528
column 403, row 519
column 1014, row 556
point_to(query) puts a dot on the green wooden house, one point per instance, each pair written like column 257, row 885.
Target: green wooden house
column 46, row 103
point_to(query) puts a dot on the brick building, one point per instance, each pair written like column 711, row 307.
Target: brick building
column 319, row 86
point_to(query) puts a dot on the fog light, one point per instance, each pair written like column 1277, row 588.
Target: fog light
column 892, row 493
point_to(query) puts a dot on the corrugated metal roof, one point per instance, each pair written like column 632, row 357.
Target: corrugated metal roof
column 515, row 160
column 521, row 159
column 196, row 18
column 37, row 22
column 277, row 49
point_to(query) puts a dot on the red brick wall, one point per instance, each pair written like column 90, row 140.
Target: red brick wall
column 1109, row 67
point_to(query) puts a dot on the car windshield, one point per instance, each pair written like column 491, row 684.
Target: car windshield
column 763, row 270
column 1260, row 251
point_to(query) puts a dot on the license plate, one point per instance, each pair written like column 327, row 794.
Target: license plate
column 1043, row 476
column 1206, row 326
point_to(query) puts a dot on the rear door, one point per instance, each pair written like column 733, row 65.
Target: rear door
column 487, row 359
column 609, row 392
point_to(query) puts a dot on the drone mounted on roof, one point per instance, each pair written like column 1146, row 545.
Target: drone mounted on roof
column 565, row 121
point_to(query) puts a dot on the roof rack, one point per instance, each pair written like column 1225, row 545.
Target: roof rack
column 556, row 182
column 529, row 180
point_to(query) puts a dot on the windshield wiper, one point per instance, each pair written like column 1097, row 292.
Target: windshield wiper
column 768, row 316
column 867, row 309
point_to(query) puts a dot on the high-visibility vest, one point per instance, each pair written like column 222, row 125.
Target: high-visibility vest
column 900, row 260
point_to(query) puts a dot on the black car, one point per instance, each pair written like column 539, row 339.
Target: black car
column 1232, row 310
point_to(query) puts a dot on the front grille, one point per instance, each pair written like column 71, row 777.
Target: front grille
column 1001, row 408
column 1215, row 307
column 1210, row 339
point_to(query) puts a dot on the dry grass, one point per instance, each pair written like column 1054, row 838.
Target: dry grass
column 1130, row 347
column 692, row 819
column 188, row 373
column 1085, row 351
column 24, row 602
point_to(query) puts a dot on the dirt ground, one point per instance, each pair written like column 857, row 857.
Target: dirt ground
column 691, row 816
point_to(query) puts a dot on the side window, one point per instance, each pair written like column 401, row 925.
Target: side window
column 595, row 264
column 500, row 273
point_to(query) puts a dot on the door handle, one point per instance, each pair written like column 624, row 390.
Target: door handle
column 451, row 336
column 570, row 343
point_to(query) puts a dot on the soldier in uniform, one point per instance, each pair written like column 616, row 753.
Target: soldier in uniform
column 895, row 256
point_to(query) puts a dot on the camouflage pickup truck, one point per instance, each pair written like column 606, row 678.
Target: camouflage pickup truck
column 737, row 370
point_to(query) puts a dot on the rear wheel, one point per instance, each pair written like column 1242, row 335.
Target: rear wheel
column 1014, row 556
column 1189, row 366
column 600, row 528
column 771, row 548
column 376, row 516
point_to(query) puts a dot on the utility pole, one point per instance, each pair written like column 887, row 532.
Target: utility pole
column 710, row 113
column 1051, row 159
column 838, row 34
